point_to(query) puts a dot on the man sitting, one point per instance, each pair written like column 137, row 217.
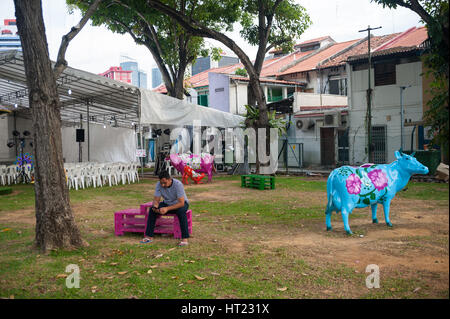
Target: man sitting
column 175, row 201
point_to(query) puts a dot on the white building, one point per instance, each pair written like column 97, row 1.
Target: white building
column 396, row 75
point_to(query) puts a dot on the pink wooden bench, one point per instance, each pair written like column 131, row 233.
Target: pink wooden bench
column 129, row 220
column 135, row 220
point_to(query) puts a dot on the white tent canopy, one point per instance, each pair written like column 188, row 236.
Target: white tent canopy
column 94, row 101
column 157, row 108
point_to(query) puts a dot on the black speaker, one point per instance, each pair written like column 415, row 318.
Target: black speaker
column 80, row 135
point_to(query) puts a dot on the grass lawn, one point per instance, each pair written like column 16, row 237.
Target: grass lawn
column 246, row 243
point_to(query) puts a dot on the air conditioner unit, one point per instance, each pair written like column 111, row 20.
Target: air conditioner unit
column 332, row 119
column 305, row 124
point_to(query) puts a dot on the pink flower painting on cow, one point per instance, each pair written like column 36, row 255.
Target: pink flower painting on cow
column 353, row 184
column 378, row 178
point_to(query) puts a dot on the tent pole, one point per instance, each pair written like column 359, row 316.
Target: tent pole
column 88, row 136
column 142, row 147
column 140, row 132
column 80, row 151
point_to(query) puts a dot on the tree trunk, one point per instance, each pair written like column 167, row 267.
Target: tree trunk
column 55, row 224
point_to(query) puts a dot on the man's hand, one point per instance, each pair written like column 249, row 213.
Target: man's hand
column 163, row 210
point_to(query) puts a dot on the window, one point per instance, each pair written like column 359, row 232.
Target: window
column 338, row 86
column 384, row 74
column 202, row 100
column 310, row 47
column 334, row 86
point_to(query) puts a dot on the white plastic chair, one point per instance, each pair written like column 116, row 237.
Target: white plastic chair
column 11, row 174
column 134, row 171
column 3, row 174
column 78, row 177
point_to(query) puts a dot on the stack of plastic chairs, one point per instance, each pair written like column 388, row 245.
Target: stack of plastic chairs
column 81, row 175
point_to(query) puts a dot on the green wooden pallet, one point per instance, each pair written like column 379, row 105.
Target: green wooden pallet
column 258, row 181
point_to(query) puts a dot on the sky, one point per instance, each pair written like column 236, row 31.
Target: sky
column 95, row 49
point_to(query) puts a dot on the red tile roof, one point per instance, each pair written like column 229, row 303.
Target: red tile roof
column 359, row 49
column 313, row 41
column 407, row 41
column 411, row 37
column 268, row 80
column 160, row 89
column 312, row 62
column 303, row 43
column 391, row 51
column 272, row 67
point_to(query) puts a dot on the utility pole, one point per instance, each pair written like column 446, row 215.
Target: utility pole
column 402, row 88
column 369, row 95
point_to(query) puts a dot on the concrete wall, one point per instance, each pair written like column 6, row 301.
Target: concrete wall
column 239, row 89
column 313, row 99
column 219, row 91
column 385, row 109
column 310, row 140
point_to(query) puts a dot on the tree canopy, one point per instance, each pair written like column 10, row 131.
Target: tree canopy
column 172, row 48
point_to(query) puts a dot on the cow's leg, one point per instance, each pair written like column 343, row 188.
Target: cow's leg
column 374, row 213
column 386, row 206
column 328, row 212
column 328, row 220
column 345, row 212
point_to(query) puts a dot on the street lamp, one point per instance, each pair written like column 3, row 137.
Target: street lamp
column 402, row 88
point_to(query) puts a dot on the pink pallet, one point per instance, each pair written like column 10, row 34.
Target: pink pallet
column 129, row 220
column 135, row 220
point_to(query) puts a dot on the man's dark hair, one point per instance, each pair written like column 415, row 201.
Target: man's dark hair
column 164, row 174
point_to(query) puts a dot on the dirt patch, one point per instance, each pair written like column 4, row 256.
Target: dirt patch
column 26, row 216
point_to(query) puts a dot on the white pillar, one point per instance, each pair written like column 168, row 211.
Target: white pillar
column 266, row 93
column 284, row 92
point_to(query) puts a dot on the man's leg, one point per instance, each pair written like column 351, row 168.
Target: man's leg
column 151, row 221
column 182, row 217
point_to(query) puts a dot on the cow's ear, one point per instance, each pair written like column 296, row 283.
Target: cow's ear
column 397, row 154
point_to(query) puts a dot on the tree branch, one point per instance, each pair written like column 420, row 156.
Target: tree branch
column 198, row 29
column 61, row 62
column 130, row 32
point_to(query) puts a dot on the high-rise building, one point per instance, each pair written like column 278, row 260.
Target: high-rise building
column 206, row 63
column 138, row 77
column 156, row 77
column 142, row 79
column 117, row 73
column 9, row 36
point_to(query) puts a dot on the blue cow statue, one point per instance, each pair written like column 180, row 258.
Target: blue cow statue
column 349, row 187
